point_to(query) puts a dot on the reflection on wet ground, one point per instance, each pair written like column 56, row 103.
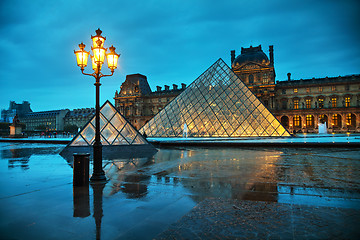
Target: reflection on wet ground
column 145, row 195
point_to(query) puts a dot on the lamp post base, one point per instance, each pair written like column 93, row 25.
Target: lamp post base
column 98, row 172
column 98, row 177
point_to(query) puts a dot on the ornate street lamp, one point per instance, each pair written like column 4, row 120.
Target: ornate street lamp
column 97, row 59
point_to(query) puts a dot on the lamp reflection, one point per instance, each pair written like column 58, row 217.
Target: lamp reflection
column 98, row 208
column 81, row 200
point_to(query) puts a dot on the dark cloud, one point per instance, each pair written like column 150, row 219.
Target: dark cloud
column 169, row 41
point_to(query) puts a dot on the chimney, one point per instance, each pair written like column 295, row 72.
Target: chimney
column 289, row 76
column 175, row 87
column 271, row 54
column 158, row 88
column 166, row 88
column 232, row 56
column 183, row 86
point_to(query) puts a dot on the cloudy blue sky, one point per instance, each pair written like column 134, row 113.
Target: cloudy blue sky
column 169, row 41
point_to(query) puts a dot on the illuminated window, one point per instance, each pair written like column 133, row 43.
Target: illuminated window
column 336, row 120
column 349, row 121
column 307, row 90
column 296, row 104
column 321, row 102
column 309, row 120
column 295, row 90
column 347, row 102
column 308, row 103
column 320, row 89
column 333, row 102
column 265, row 78
column 297, row 121
column 333, row 88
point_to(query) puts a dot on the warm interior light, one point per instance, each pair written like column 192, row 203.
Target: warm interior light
column 94, row 64
column 81, row 56
column 112, row 58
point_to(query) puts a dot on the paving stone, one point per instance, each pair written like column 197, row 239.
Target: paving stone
column 242, row 219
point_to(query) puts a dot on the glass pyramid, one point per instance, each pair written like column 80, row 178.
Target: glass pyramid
column 114, row 130
column 216, row 104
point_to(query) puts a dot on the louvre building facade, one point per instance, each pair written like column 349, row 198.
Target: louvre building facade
column 299, row 105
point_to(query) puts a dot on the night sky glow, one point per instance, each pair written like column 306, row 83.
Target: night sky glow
column 168, row 41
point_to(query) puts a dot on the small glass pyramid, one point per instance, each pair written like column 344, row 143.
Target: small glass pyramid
column 114, row 130
column 216, row 104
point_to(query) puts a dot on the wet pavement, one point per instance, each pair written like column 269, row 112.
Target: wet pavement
column 183, row 193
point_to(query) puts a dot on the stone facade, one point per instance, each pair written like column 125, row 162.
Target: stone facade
column 138, row 103
column 257, row 71
column 300, row 105
column 79, row 117
column 52, row 120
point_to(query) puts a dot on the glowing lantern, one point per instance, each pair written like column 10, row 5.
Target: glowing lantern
column 82, row 56
column 112, row 58
column 94, row 64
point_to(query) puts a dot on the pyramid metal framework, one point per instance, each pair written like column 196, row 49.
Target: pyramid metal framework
column 114, row 130
column 216, row 104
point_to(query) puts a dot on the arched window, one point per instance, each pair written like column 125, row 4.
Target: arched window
column 336, row 121
column 309, row 121
column 297, row 121
column 350, row 120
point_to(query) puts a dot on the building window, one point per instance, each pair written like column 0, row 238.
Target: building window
column 348, row 119
column 333, row 88
column 347, row 87
column 283, row 91
column 265, row 78
column 297, row 121
column 251, row 79
column 321, row 102
column 320, row 89
column 333, row 102
column 309, row 120
column 336, row 120
column 308, row 103
column 307, row 90
column 296, row 104
column 295, row 90
column 347, row 102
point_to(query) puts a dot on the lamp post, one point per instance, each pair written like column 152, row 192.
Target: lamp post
column 98, row 58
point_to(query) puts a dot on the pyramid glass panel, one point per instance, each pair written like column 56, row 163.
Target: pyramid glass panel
column 79, row 141
column 114, row 130
column 216, row 104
